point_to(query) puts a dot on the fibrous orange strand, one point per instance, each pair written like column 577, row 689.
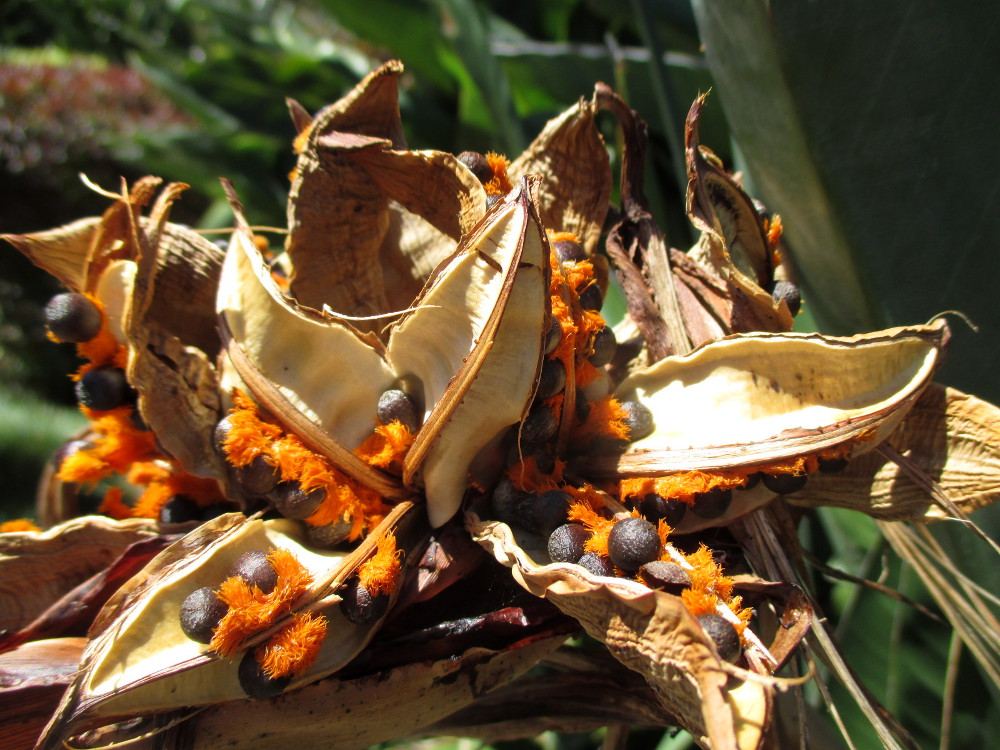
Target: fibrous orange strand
column 113, row 505
column 387, row 446
column 19, row 524
column 165, row 480
column 599, row 526
column 294, row 648
column 120, row 445
column 250, row 610
column 528, row 477
column 683, row 485
column 500, row 184
column 605, row 418
column 249, row 434
column 774, row 230
column 379, row 573
column 663, row 531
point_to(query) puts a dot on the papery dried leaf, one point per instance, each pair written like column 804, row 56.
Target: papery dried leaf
column 61, row 251
column 570, row 154
column 38, row 567
column 951, row 436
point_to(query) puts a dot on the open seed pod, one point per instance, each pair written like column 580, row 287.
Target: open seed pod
column 474, row 331
column 140, row 659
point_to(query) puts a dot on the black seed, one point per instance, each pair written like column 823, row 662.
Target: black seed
column 660, row 574
column 786, row 290
column 752, row 481
column 832, row 465
column 638, row 419
column 604, row 345
column 103, row 389
column 328, row 536
column 293, row 502
column 655, row 508
column 785, row 484
column 713, row 503
column 568, row 251
column 549, row 511
column 256, row 683
column 511, row 505
column 201, row 612
column 254, row 568
column 215, row 510
column 219, row 435
column 552, row 379
column 552, row 337
column 477, row 164
column 397, row 405
column 258, row 477
column 72, row 317
column 68, row 449
column 597, row 564
column 137, row 421
column 722, row 633
column 591, row 298
column 180, row 509
column 566, row 542
column 539, row 426
column 582, row 406
column 358, row 605
column 632, row 543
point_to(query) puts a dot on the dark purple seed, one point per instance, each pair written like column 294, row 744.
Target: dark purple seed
column 604, row 345
column 582, row 406
column 713, row 503
column 293, row 502
column 219, row 435
column 785, row 484
column 540, row 426
column 180, row 509
column 552, row 379
column 396, row 405
column 137, row 421
column 254, row 568
column 638, row 419
column 552, row 337
column 660, row 574
column 68, row 449
column 722, row 633
column 832, row 465
column 257, row 683
column 786, row 290
column 72, row 317
column 566, row 542
column 632, row 543
column 511, row 505
column 103, row 389
column 549, row 511
column 568, row 251
column 201, row 612
column 359, row 606
column 591, row 298
column 330, row 535
column 656, row 508
column 258, row 477
column 597, row 564
column 477, row 164
column 752, row 481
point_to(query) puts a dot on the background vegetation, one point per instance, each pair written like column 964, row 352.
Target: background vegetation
column 869, row 127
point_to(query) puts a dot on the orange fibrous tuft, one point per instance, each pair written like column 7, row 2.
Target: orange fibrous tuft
column 606, row 418
column 699, row 602
column 744, row 614
column 683, row 485
column 562, row 237
column 380, row 572
column 250, row 610
column 163, row 481
column 528, row 477
column 663, row 530
column 19, row 524
column 113, row 505
column 599, row 526
column 774, row 230
column 387, row 446
column 294, row 648
column 500, row 184
column 249, row 434
column 120, row 445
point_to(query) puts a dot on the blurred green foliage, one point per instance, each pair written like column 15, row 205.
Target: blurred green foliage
column 192, row 91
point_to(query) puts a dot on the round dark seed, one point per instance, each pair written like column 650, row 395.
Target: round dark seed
column 722, row 633
column 330, row 535
column 201, row 612
column 219, row 435
column 72, row 317
column 477, row 164
column 103, row 389
column 660, row 574
column 180, row 509
column 254, row 568
column 68, row 449
column 566, row 542
column 552, row 337
column 633, row 542
column 582, row 406
column 258, row 477
column 568, row 251
column 137, row 421
column 552, row 379
column 597, row 564
column 752, row 481
column 785, row 484
column 540, row 426
column 832, row 465
column 359, row 606
column 293, row 502
column 396, row 405
column 549, row 511
column 511, row 505
column 713, row 503
column 591, row 298
column 638, row 419
column 256, row 683
column 656, row 507
column 786, row 290
column 604, row 345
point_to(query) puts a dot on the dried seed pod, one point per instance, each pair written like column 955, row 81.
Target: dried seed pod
column 722, row 633
column 566, row 543
column 633, row 542
column 201, row 612
column 72, row 317
column 255, row 568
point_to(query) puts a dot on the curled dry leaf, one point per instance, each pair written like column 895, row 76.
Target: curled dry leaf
column 950, row 436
